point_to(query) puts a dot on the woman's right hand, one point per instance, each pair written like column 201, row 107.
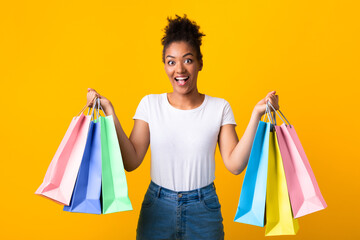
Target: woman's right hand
column 104, row 102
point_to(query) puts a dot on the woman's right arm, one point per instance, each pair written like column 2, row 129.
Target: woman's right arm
column 133, row 149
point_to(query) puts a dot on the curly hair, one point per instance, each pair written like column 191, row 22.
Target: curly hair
column 182, row 29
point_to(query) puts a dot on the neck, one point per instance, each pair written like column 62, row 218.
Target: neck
column 186, row 101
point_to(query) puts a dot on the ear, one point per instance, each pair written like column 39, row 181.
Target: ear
column 201, row 65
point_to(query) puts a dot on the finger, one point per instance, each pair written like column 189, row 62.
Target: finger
column 90, row 96
column 270, row 94
column 276, row 99
column 91, row 90
column 274, row 102
column 268, row 100
column 93, row 94
column 273, row 99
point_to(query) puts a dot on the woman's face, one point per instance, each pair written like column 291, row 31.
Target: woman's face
column 182, row 66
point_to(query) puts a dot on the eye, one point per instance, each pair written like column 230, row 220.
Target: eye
column 189, row 60
column 171, row 62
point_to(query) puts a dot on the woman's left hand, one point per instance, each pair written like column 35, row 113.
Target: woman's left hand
column 260, row 107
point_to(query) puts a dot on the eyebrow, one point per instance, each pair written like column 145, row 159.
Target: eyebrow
column 183, row 56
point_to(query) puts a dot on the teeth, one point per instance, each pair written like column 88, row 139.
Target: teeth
column 182, row 78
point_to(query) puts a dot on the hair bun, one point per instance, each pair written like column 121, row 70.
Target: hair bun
column 182, row 29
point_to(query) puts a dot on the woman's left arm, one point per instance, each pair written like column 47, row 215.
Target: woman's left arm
column 235, row 153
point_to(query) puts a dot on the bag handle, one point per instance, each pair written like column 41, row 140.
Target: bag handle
column 87, row 105
column 94, row 110
column 268, row 115
column 265, row 116
column 274, row 115
column 268, row 102
column 98, row 114
column 272, row 120
column 97, row 109
column 93, row 107
column 99, row 106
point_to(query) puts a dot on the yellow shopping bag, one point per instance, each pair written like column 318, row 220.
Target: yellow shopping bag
column 279, row 217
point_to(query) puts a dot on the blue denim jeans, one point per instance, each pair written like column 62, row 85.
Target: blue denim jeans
column 166, row 214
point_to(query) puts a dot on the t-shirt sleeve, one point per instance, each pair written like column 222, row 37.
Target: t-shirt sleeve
column 142, row 111
column 228, row 115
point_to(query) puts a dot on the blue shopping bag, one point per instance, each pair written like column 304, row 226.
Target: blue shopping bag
column 87, row 190
column 251, row 207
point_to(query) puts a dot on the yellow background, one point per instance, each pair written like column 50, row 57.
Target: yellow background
column 52, row 51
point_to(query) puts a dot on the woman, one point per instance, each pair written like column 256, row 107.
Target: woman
column 183, row 128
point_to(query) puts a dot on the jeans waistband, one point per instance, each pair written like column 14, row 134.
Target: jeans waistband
column 199, row 193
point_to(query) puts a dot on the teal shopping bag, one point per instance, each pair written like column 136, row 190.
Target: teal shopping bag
column 251, row 207
column 114, row 186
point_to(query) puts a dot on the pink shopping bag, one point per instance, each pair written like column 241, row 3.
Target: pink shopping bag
column 304, row 192
column 60, row 177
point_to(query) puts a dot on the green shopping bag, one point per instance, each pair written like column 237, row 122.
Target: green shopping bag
column 114, row 187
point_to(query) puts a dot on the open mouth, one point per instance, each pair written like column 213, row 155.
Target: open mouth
column 181, row 80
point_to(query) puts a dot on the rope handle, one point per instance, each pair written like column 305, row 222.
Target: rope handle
column 268, row 102
column 87, row 105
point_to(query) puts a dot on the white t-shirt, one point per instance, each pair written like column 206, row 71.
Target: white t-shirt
column 183, row 142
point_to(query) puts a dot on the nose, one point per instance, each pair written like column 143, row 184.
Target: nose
column 180, row 68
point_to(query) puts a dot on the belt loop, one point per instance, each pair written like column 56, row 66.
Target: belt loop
column 158, row 193
column 199, row 193
column 214, row 185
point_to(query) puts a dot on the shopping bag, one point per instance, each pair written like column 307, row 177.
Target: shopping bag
column 87, row 190
column 279, row 218
column 60, row 177
column 114, row 186
column 304, row 192
column 251, row 207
